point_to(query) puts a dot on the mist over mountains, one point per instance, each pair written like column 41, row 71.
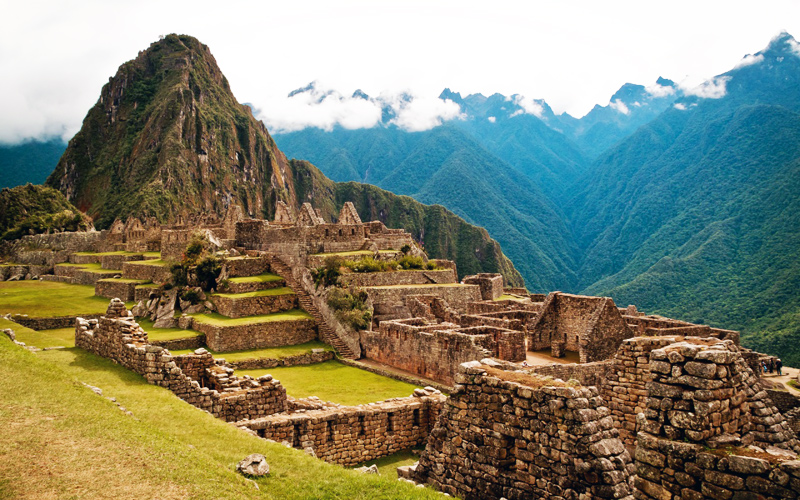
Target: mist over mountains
column 682, row 201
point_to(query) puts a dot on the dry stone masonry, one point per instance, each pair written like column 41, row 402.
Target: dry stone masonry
column 506, row 434
column 195, row 378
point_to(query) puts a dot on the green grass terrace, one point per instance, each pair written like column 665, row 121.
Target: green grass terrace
column 261, row 278
column 264, row 353
column 216, row 319
column 353, row 253
column 336, row 382
column 284, row 290
column 50, row 299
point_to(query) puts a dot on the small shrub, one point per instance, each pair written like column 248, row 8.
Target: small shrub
column 191, row 296
column 411, row 262
column 328, row 274
column 180, row 274
column 405, row 249
column 207, row 272
column 350, row 307
column 367, row 265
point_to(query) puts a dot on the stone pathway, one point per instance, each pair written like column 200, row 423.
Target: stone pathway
column 788, row 374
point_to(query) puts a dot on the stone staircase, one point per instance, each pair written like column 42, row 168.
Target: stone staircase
column 326, row 333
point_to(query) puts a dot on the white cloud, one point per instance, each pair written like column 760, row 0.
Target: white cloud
column 318, row 107
column 418, row 113
column 619, row 106
column 530, row 106
column 492, row 119
column 710, row 89
column 680, row 106
column 748, row 60
column 794, row 45
column 657, row 90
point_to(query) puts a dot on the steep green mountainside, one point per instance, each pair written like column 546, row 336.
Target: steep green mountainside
column 697, row 215
column 33, row 209
column 445, row 166
column 167, row 136
column 629, row 108
column 523, row 140
column 30, row 161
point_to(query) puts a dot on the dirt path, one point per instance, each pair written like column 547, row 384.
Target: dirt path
column 788, row 374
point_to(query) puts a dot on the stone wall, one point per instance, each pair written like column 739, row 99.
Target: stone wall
column 121, row 289
column 309, row 358
column 398, row 278
column 586, row 373
column 591, row 326
column 50, row 249
column 491, row 284
column 625, row 385
column 457, row 296
column 22, row 271
column 783, row 400
column 147, row 272
column 246, row 266
column 118, row 337
column 704, row 407
column 48, row 323
column 355, row 434
column 435, row 351
column 509, row 435
column 257, row 335
column 238, row 307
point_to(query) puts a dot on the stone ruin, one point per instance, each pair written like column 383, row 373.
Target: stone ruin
column 707, row 430
column 641, row 416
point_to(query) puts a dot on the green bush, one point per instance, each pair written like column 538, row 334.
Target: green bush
column 192, row 296
column 328, row 274
column 180, row 274
column 411, row 262
column 350, row 307
column 405, row 249
column 207, row 271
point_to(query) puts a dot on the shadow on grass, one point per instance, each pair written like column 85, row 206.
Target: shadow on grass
column 93, row 363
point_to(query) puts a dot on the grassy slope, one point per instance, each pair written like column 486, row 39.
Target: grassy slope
column 266, row 352
column 333, row 381
column 71, row 443
column 63, row 299
column 220, row 320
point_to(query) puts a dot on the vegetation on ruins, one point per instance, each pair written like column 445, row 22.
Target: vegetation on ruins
column 334, row 266
column 198, row 267
column 33, row 209
column 350, row 306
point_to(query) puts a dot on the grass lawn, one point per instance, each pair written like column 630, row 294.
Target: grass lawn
column 60, row 337
column 506, row 296
column 63, row 441
column 336, row 382
column 387, row 466
column 151, row 262
column 284, row 290
column 220, row 320
column 48, row 299
column 261, row 278
column 165, row 333
column 352, row 253
column 123, row 280
column 267, row 352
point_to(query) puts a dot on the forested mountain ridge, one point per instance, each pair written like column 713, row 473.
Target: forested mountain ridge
column 697, row 214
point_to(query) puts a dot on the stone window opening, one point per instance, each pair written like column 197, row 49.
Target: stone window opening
column 508, row 454
column 326, row 232
column 329, row 425
column 416, row 418
column 361, row 426
column 340, row 232
column 353, row 231
column 296, row 436
column 390, row 423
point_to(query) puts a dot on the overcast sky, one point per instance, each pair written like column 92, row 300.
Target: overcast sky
column 56, row 55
